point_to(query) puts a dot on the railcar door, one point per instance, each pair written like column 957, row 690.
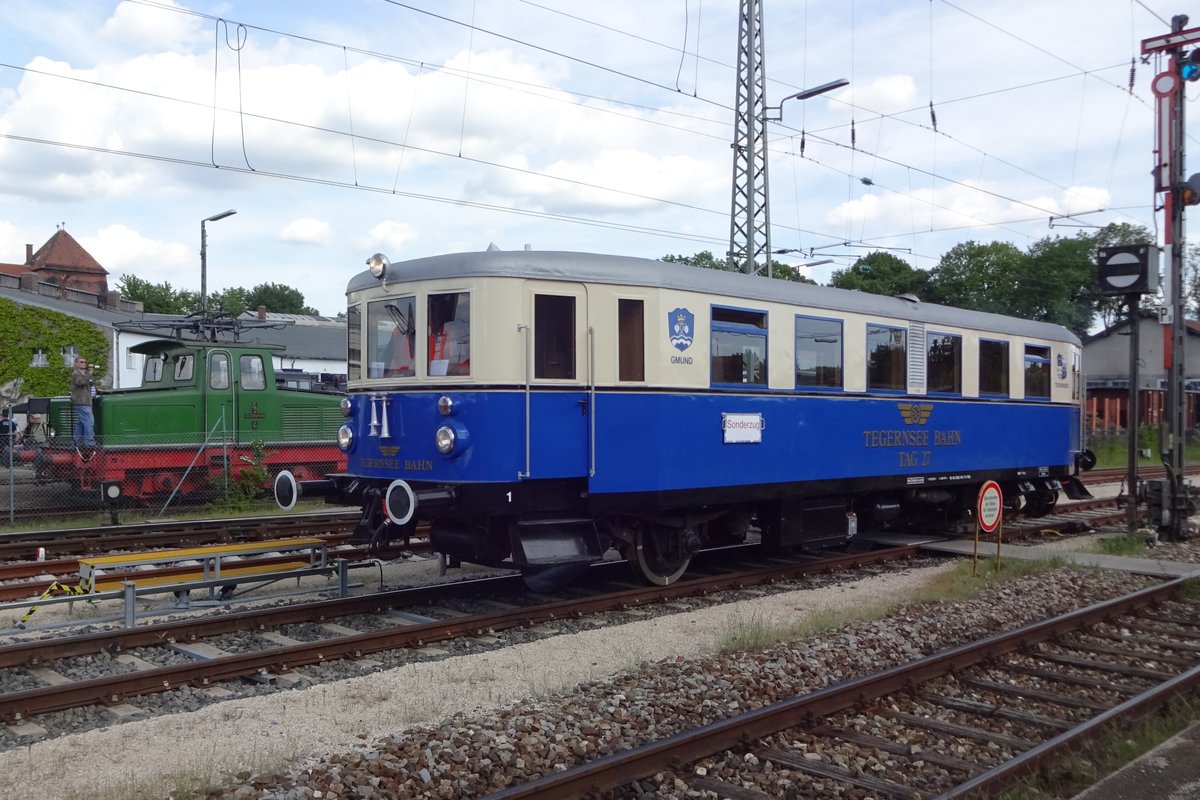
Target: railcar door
column 220, row 406
column 559, row 386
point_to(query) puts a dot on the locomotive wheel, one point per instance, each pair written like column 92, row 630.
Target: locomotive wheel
column 657, row 554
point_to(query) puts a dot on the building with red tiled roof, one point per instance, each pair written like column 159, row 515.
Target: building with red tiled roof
column 62, row 263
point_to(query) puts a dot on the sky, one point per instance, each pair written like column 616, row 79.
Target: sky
column 337, row 130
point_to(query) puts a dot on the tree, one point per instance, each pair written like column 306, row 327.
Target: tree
column 883, row 273
column 706, row 260
column 1060, row 283
column 277, row 298
column 156, row 298
column 984, row 277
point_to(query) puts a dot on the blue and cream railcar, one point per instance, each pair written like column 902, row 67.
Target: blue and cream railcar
column 539, row 408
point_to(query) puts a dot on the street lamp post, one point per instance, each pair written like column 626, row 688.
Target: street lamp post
column 204, row 257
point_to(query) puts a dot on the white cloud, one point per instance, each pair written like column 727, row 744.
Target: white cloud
column 306, row 231
column 390, row 238
column 122, row 250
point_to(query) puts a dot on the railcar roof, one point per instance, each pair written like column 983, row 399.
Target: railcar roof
column 630, row 271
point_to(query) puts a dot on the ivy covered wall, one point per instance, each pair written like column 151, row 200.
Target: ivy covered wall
column 27, row 329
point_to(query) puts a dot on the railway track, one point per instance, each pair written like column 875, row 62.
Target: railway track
column 172, row 655
column 969, row 720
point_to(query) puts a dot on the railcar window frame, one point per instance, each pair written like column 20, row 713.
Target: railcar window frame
column 393, row 358
column 987, row 387
column 448, row 333
column 1037, row 371
column 730, row 328
column 895, row 381
column 631, row 340
column 935, row 369
column 554, row 321
column 354, row 362
column 836, row 380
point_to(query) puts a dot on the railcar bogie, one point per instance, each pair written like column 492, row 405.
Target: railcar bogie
column 543, row 409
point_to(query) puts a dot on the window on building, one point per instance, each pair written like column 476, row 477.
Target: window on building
column 993, row 367
column 943, row 369
column 1037, row 371
column 68, row 355
column 887, row 357
column 631, row 340
column 253, row 374
column 819, row 352
column 40, row 359
column 739, row 346
column 449, row 331
column 553, row 336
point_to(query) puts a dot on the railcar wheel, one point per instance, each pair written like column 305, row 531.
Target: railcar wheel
column 660, row 555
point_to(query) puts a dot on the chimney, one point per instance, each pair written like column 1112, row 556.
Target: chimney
column 262, row 313
column 28, row 255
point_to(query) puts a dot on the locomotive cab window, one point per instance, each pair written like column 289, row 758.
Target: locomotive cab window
column 183, row 367
column 818, row 352
column 1037, row 371
column 449, row 323
column 253, row 376
column 993, row 367
column 153, row 371
column 887, row 358
column 391, row 338
column 218, row 371
column 553, row 336
column 739, row 346
column 943, row 366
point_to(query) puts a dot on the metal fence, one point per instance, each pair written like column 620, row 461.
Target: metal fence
column 46, row 479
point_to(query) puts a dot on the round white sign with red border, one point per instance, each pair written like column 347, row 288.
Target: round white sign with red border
column 990, row 507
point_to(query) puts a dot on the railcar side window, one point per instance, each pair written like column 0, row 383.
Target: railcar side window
column 631, row 340
column 993, row 367
column 392, row 338
column 887, row 357
column 154, row 370
column 943, row 370
column 218, row 371
column 553, row 336
column 449, row 324
column 1037, row 371
column 354, row 342
column 819, row 352
column 183, row 367
column 739, row 346
column 253, row 376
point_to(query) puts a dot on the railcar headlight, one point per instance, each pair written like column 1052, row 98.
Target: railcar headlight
column 378, row 265
column 445, row 405
column 346, row 406
column 444, row 439
column 345, row 437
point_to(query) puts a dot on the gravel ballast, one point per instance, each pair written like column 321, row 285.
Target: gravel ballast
column 463, row 726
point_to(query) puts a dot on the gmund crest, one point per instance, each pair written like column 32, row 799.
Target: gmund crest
column 681, row 323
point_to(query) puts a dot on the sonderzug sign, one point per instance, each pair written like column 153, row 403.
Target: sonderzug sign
column 915, row 446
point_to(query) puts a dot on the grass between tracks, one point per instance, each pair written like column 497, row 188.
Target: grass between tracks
column 962, row 582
